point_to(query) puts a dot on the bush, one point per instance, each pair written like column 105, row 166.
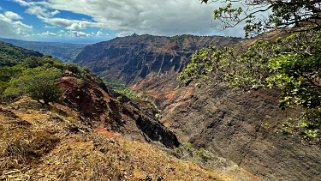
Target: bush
column 48, row 92
column 39, row 83
column 32, row 62
column 72, row 68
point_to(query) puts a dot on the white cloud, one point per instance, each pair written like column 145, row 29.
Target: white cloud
column 47, row 34
column 11, row 26
column 37, row 10
column 21, row 2
column 99, row 34
column 65, row 34
column 42, row 10
column 12, row 15
column 166, row 17
column 70, row 24
column 81, row 34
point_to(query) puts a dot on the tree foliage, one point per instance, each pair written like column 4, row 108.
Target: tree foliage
column 291, row 64
column 25, row 72
column 11, row 55
column 39, row 83
column 262, row 15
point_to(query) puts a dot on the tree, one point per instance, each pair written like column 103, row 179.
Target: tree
column 39, row 83
column 291, row 63
column 277, row 14
column 46, row 91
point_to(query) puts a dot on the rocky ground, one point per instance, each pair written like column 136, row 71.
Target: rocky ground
column 51, row 144
column 247, row 128
column 94, row 133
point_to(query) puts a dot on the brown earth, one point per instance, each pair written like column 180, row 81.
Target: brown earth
column 50, row 144
column 245, row 129
column 99, row 107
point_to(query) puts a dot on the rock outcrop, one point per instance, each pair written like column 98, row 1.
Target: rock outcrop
column 242, row 127
column 53, row 144
column 246, row 128
column 100, row 107
column 131, row 59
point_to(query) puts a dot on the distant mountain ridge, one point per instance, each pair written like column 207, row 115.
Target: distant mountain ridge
column 66, row 52
column 132, row 58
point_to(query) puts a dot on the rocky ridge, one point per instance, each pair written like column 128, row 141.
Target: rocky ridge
column 246, row 128
column 133, row 58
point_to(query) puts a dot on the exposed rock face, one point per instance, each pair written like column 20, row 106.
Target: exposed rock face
column 131, row 59
column 246, row 129
column 52, row 144
column 99, row 107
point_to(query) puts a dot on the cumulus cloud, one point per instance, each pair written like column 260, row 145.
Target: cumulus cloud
column 166, row 17
column 46, row 34
column 11, row 26
column 80, row 34
column 99, row 34
column 12, row 15
column 70, row 24
column 46, row 13
column 41, row 12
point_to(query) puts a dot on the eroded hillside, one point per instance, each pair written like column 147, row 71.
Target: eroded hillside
column 89, row 133
column 53, row 144
column 133, row 58
column 246, row 128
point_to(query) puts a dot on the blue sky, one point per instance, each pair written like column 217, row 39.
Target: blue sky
column 87, row 21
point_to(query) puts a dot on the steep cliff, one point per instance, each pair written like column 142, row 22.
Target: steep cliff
column 246, row 128
column 133, row 58
column 90, row 133
column 102, row 109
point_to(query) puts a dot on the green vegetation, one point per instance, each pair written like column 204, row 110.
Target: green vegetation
column 123, row 90
column 120, row 88
column 34, row 76
column 10, row 55
column 24, row 72
column 186, row 150
column 39, row 83
column 291, row 64
column 276, row 14
column 66, row 52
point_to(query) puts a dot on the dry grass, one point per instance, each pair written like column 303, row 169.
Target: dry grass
column 98, row 158
column 39, row 144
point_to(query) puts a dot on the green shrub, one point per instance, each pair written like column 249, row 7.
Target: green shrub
column 72, row 68
column 32, row 62
column 39, row 83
